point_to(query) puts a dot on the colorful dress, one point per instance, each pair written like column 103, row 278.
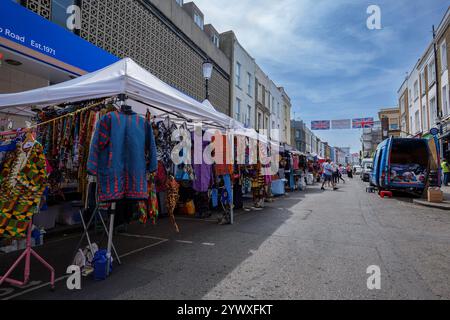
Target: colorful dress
column 172, row 199
column 23, row 180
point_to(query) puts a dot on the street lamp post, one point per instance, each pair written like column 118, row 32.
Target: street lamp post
column 207, row 73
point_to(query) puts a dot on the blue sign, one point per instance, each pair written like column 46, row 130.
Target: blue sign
column 27, row 30
column 434, row 131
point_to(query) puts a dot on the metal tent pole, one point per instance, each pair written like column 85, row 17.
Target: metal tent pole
column 110, row 237
column 232, row 183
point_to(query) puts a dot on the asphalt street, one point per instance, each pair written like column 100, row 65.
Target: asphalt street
column 306, row 245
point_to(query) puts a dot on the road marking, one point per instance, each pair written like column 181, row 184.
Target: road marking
column 35, row 288
column 141, row 236
column 208, row 244
column 143, row 248
column 66, row 276
column 184, row 241
column 198, row 220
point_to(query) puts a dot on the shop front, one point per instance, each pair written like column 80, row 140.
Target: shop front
column 35, row 53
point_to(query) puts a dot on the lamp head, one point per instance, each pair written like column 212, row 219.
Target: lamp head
column 207, row 69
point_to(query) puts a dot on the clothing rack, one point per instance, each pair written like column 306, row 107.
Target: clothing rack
column 86, row 227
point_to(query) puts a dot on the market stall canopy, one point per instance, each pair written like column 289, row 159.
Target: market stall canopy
column 298, row 153
column 124, row 76
column 239, row 129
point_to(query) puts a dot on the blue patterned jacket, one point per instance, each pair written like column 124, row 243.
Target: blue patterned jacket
column 121, row 154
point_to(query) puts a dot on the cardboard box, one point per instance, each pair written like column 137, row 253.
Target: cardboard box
column 435, row 195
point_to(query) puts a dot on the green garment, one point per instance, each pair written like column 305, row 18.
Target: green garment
column 445, row 167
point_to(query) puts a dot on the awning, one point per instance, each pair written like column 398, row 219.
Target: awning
column 124, row 76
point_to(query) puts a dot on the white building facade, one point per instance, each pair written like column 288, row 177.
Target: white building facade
column 276, row 101
column 242, row 84
column 415, row 110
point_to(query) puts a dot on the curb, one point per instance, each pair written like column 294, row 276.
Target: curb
column 442, row 206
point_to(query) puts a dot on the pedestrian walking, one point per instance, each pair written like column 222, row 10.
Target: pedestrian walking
column 446, row 171
column 335, row 173
column 340, row 169
column 328, row 174
column 349, row 171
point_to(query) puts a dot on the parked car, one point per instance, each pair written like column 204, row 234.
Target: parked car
column 366, row 171
column 406, row 164
column 357, row 169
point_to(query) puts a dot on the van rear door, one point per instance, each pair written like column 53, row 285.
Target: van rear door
column 386, row 164
column 434, row 177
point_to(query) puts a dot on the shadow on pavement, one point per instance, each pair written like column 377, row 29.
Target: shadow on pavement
column 158, row 263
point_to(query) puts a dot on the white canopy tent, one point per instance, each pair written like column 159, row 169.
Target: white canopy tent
column 240, row 130
column 124, row 76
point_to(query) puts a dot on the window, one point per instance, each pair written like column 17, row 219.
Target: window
column 393, row 124
column 59, row 11
column 433, row 110
column 180, row 2
column 259, row 120
column 260, row 93
column 417, row 121
column 272, row 106
column 402, row 106
column 278, row 109
column 445, row 101
column 297, row 134
column 424, row 118
column 238, row 74
column 248, row 116
column 249, row 84
column 410, row 98
column 215, row 40
column 198, row 20
column 422, row 83
column 431, row 73
column 237, row 108
column 444, row 56
column 416, row 90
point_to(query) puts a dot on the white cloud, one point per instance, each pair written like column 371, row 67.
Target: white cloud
column 289, row 33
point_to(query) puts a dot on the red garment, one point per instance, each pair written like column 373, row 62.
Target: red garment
column 223, row 168
column 161, row 177
column 295, row 162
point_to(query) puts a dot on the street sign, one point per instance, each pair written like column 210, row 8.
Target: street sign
column 434, row 131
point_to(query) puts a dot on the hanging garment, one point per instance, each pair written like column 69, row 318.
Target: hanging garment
column 223, row 166
column 237, row 196
column 203, row 177
column 149, row 210
column 164, row 143
column 214, row 197
column 172, row 199
column 162, row 203
column 122, row 152
column 161, row 178
column 227, row 184
column 296, row 162
column 22, row 183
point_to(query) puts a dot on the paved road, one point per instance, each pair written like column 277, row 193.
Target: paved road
column 313, row 245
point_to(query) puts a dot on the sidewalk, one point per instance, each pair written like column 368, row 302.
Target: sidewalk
column 443, row 206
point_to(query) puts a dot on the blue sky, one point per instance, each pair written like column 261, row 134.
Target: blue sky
column 331, row 64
